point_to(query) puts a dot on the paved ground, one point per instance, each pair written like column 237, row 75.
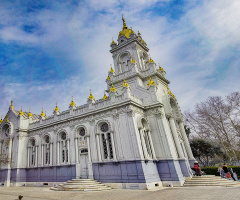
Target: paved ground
column 185, row 193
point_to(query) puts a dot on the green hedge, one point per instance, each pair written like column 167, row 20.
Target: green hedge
column 214, row 170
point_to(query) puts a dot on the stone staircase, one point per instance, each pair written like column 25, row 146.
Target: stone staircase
column 81, row 185
column 210, row 180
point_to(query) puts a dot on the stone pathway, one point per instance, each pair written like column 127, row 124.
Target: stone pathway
column 184, row 193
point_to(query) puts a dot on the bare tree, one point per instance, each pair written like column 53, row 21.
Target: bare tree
column 219, row 119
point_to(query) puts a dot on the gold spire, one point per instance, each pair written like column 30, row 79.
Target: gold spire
column 124, row 23
column 42, row 113
column 169, row 92
column 91, row 96
column 132, row 60
column 113, row 42
column 139, row 34
column 12, row 104
column 126, row 31
column 108, row 78
column 160, row 68
column 56, row 109
column 111, row 70
column 113, row 89
column 72, row 102
column 150, row 60
column 150, row 82
column 125, row 84
column 1, row 120
column 45, row 115
column 29, row 113
column 105, row 97
column 7, row 118
column 21, row 112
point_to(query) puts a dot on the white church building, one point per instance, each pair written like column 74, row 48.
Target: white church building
column 134, row 138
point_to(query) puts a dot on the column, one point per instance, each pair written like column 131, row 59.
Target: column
column 28, row 157
column 0, row 147
column 8, row 183
column 186, row 142
column 113, row 147
column 36, row 156
column 89, row 150
column 175, row 137
column 98, row 147
column 143, row 144
column 76, row 150
column 151, row 144
column 42, row 154
column 58, row 155
column 50, row 154
column 68, row 147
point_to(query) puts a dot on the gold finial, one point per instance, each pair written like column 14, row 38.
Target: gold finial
column 91, row 96
column 111, row 70
column 12, row 104
column 113, row 42
column 125, row 84
column 113, row 89
column 150, row 82
column 21, row 112
column 45, row 115
column 1, row 120
column 124, row 23
column 72, row 102
column 150, row 60
column 42, row 113
column 169, row 92
column 105, row 96
column 56, row 109
column 139, row 34
column 29, row 113
column 7, row 118
column 160, row 68
column 108, row 78
column 132, row 60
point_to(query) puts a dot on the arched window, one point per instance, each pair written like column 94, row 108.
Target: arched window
column 6, row 139
column 46, row 151
column 63, row 148
column 106, row 140
column 146, row 141
column 32, row 153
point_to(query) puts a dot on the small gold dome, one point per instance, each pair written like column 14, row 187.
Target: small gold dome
column 105, row 97
column 72, row 103
column 150, row 60
column 21, row 112
column 91, row 96
column 132, row 60
column 108, row 78
column 125, row 84
column 56, row 109
column 1, row 120
column 42, row 113
column 111, row 70
column 150, row 82
column 29, row 113
column 113, row 89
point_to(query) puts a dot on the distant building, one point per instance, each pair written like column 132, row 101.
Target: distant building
column 132, row 138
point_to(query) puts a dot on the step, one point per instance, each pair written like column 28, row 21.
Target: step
column 81, row 185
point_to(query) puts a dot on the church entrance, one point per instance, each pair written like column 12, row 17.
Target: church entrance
column 84, row 163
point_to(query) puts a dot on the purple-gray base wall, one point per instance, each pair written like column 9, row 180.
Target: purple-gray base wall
column 41, row 174
column 170, row 170
column 119, row 172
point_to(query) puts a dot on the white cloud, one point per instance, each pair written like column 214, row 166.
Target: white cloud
column 187, row 48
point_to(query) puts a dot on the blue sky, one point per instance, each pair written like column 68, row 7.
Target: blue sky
column 52, row 50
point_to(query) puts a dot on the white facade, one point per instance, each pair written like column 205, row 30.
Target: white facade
column 133, row 139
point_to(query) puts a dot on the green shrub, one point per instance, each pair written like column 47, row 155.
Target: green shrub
column 214, row 170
